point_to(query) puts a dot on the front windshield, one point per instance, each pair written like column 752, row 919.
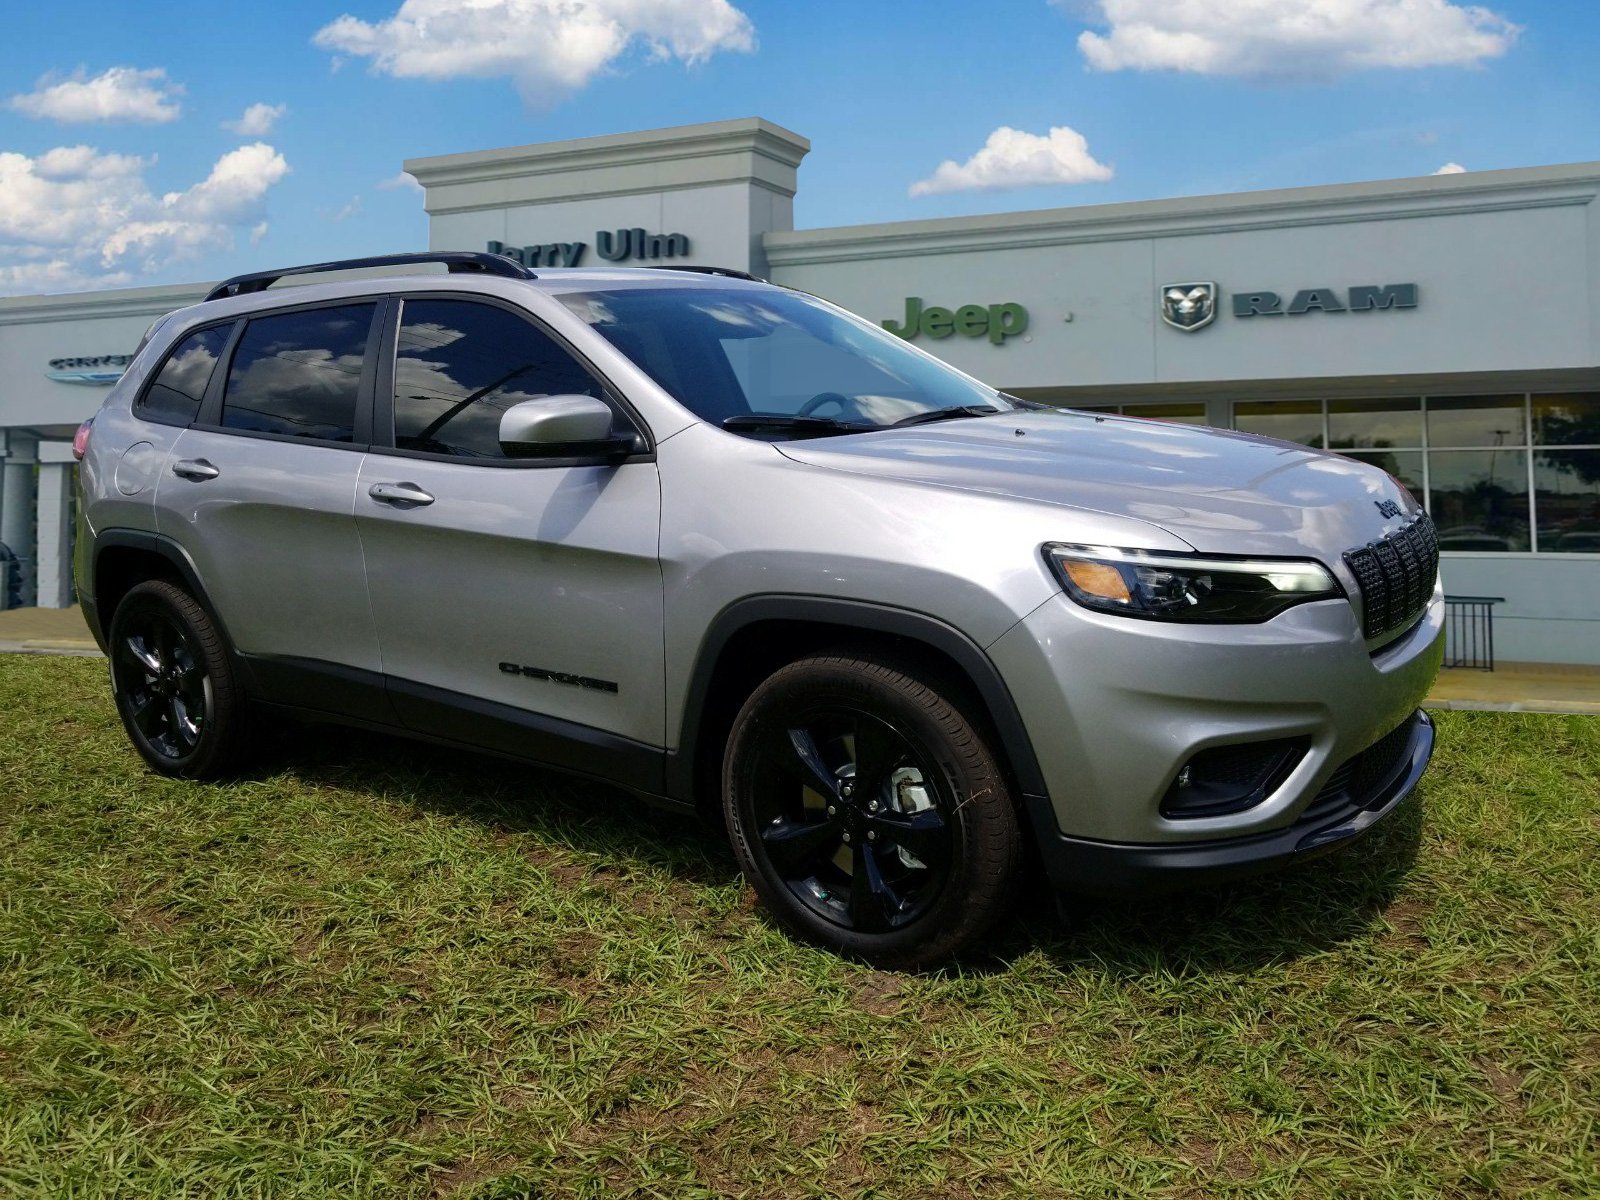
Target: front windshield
column 738, row 353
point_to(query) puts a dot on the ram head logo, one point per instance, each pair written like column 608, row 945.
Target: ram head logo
column 1188, row 306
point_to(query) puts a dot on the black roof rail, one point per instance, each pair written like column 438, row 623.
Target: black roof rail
column 458, row 262
column 727, row 271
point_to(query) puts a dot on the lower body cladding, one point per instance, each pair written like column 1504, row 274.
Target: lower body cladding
column 1176, row 755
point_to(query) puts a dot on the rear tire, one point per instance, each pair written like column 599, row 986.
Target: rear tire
column 869, row 813
column 173, row 683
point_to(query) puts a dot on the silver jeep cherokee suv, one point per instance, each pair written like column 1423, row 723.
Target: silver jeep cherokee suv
column 728, row 546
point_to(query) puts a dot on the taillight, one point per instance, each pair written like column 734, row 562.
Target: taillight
column 80, row 440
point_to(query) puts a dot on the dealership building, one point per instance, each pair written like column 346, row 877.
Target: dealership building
column 1445, row 328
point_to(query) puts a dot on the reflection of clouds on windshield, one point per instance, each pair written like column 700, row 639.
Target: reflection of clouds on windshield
column 730, row 351
column 885, row 410
column 729, row 315
column 591, row 310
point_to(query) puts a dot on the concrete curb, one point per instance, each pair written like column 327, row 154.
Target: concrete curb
column 41, row 646
column 1582, row 708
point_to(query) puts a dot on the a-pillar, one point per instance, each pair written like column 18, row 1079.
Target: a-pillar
column 16, row 517
column 54, row 557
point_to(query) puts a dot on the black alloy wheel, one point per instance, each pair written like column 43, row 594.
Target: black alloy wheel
column 173, row 683
column 869, row 812
column 850, row 820
column 166, row 691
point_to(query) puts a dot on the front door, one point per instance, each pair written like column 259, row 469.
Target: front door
column 518, row 602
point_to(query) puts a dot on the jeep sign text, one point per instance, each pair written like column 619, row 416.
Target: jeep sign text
column 997, row 322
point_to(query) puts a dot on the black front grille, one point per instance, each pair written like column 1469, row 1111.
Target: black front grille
column 1396, row 576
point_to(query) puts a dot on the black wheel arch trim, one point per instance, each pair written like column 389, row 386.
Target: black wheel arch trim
column 682, row 769
column 152, row 543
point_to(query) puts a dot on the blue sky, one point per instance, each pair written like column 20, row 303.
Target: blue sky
column 116, row 168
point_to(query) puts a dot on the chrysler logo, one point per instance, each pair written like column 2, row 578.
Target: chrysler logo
column 98, row 371
column 1188, row 306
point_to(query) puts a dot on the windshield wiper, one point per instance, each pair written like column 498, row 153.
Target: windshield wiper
column 946, row 414
column 784, row 423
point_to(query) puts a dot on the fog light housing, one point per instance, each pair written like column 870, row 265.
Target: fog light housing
column 1230, row 779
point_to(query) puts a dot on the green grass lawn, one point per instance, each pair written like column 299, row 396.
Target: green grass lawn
column 375, row 969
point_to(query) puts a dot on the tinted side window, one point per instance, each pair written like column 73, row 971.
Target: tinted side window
column 298, row 373
column 175, row 393
column 459, row 365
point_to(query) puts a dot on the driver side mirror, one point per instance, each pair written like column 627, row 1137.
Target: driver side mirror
column 556, row 426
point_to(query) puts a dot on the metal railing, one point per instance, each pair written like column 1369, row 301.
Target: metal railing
column 1469, row 631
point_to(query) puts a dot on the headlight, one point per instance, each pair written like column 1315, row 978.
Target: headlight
column 1187, row 587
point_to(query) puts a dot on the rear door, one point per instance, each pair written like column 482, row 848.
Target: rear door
column 518, row 601
column 261, row 493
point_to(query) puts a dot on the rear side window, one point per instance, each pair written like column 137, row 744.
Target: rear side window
column 459, row 365
column 299, row 373
column 174, row 395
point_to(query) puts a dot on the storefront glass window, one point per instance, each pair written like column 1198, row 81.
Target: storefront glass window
column 1287, row 420
column 1476, row 421
column 1479, row 498
column 1470, row 460
column 1566, row 420
column 1374, row 424
column 1566, row 485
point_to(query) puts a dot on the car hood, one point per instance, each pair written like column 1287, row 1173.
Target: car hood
column 1222, row 492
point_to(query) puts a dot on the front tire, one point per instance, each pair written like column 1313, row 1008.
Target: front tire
column 869, row 813
column 174, row 685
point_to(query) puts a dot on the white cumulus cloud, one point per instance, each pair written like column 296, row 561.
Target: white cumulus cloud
column 257, row 120
column 1451, row 168
column 56, row 275
column 1288, row 39
column 548, row 48
column 400, row 182
column 1014, row 159
column 232, row 193
column 73, row 217
column 118, row 94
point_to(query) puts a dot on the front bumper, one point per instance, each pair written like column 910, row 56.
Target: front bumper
column 1112, row 869
column 1114, row 708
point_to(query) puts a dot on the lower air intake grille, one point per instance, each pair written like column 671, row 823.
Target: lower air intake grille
column 1358, row 779
column 1396, row 576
